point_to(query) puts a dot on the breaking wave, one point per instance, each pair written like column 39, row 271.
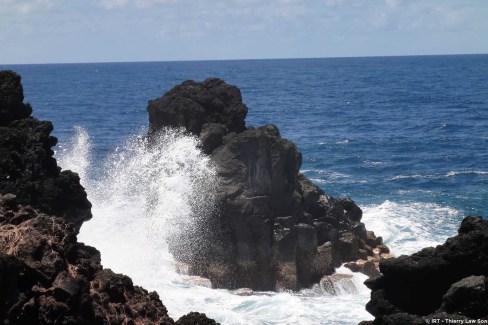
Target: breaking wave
column 149, row 191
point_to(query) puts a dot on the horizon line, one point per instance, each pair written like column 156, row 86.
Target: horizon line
column 241, row 59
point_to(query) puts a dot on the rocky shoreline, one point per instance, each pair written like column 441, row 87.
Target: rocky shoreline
column 273, row 229
column 46, row 275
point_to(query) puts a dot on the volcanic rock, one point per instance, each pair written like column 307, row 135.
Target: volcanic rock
column 273, row 228
column 11, row 98
column 447, row 282
column 46, row 276
column 27, row 166
column 191, row 105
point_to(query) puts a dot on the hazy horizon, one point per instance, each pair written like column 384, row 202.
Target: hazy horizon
column 243, row 59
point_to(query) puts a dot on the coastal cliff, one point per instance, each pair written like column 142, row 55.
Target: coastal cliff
column 46, row 275
column 273, row 229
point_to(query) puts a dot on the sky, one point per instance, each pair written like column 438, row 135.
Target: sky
column 60, row 31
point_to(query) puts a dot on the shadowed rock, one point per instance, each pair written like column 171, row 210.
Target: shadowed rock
column 27, row 166
column 11, row 98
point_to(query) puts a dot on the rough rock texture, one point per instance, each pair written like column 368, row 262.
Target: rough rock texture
column 193, row 105
column 449, row 281
column 274, row 228
column 46, row 276
column 27, row 166
column 11, row 98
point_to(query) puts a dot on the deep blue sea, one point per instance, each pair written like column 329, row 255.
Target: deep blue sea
column 405, row 137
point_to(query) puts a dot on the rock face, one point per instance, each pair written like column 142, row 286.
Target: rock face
column 27, row 166
column 46, row 276
column 12, row 98
column 449, row 281
column 274, row 228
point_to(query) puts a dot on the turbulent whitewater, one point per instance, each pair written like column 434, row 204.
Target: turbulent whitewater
column 143, row 194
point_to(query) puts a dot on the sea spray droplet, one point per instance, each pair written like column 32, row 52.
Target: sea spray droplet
column 76, row 154
column 148, row 193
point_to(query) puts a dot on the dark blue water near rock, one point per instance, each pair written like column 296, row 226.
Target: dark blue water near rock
column 402, row 129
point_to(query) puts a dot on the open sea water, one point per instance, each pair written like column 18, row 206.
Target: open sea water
column 405, row 137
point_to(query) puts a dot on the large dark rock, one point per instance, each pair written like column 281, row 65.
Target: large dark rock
column 449, row 279
column 271, row 219
column 191, row 105
column 27, row 166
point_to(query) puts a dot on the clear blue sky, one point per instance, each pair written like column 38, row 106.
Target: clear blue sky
column 45, row 31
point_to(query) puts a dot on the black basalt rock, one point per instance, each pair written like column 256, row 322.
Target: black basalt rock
column 449, row 279
column 27, row 166
column 191, row 105
column 273, row 229
column 11, row 98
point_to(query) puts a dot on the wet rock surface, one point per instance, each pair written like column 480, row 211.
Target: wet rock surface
column 445, row 282
column 273, row 229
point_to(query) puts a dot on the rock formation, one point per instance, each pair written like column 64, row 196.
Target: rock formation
column 27, row 166
column 449, row 281
column 274, row 229
column 46, row 276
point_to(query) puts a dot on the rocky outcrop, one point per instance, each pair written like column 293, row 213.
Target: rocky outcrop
column 446, row 282
column 46, row 276
column 273, row 229
column 27, row 166
column 12, row 105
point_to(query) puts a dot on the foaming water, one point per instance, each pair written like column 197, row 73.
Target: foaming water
column 149, row 192
column 408, row 227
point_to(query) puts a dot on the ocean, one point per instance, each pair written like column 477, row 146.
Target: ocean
column 405, row 137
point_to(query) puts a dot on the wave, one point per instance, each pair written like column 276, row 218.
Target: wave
column 373, row 162
column 410, row 177
column 329, row 142
column 408, row 227
column 466, row 172
column 437, row 176
column 130, row 229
